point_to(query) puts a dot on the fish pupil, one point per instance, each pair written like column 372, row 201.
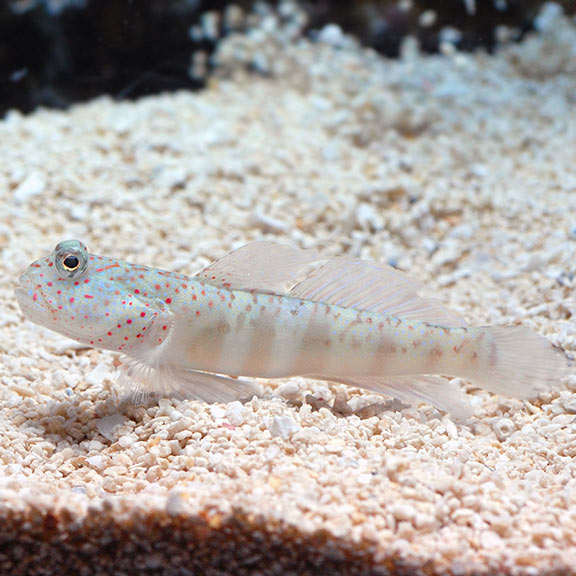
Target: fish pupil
column 71, row 262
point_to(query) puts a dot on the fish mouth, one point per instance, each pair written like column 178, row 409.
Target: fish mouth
column 35, row 306
column 22, row 284
column 24, row 301
column 20, row 294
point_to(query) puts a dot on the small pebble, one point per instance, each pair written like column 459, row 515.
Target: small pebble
column 503, row 428
column 282, row 426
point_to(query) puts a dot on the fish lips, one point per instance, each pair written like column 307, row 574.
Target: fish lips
column 33, row 303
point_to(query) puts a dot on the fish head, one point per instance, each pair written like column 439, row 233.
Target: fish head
column 92, row 299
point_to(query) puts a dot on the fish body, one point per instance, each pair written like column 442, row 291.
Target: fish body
column 346, row 321
column 273, row 336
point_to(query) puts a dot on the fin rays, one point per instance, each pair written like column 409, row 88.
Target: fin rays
column 262, row 266
column 142, row 380
column 368, row 286
column 435, row 390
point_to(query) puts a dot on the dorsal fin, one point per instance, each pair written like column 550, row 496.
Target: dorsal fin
column 262, row 266
column 375, row 287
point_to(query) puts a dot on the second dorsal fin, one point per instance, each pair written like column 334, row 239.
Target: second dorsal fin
column 370, row 286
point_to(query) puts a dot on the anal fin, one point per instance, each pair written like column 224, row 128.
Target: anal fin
column 435, row 390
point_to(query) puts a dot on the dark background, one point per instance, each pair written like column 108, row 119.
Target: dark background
column 57, row 52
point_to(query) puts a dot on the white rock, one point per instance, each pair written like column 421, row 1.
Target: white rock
column 95, row 461
column 217, row 412
column 267, row 223
column 107, row 425
column 215, row 458
column 503, row 428
column 175, row 503
column 235, row 412
column 331, row 34
column 367, row 217
column 289, row 389
column 171, row 177
column 175, row 415
column 271, row 453
column 79, row 211
column 98, row 375
column 365, row 478
column 126, row 441
column 490, row 540
column 451, row 429
column 463, row 232
column 569, row 404
column 427, row 18
column 534, row 476
column 470, row 7
column 403, row 511
column 32, row 186
column 548, row 18
column 282, row 426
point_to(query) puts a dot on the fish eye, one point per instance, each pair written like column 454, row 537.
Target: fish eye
column 71, row 258
column 70, row 263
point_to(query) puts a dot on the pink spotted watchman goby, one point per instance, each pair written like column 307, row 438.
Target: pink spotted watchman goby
column 272, row 311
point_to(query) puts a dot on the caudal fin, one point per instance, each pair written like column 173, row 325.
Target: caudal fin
column 519, row 362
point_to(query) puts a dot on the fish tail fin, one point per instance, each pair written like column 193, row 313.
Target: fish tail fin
column 517, row 362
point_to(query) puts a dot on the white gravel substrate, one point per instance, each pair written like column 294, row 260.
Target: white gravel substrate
column 457, row 169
